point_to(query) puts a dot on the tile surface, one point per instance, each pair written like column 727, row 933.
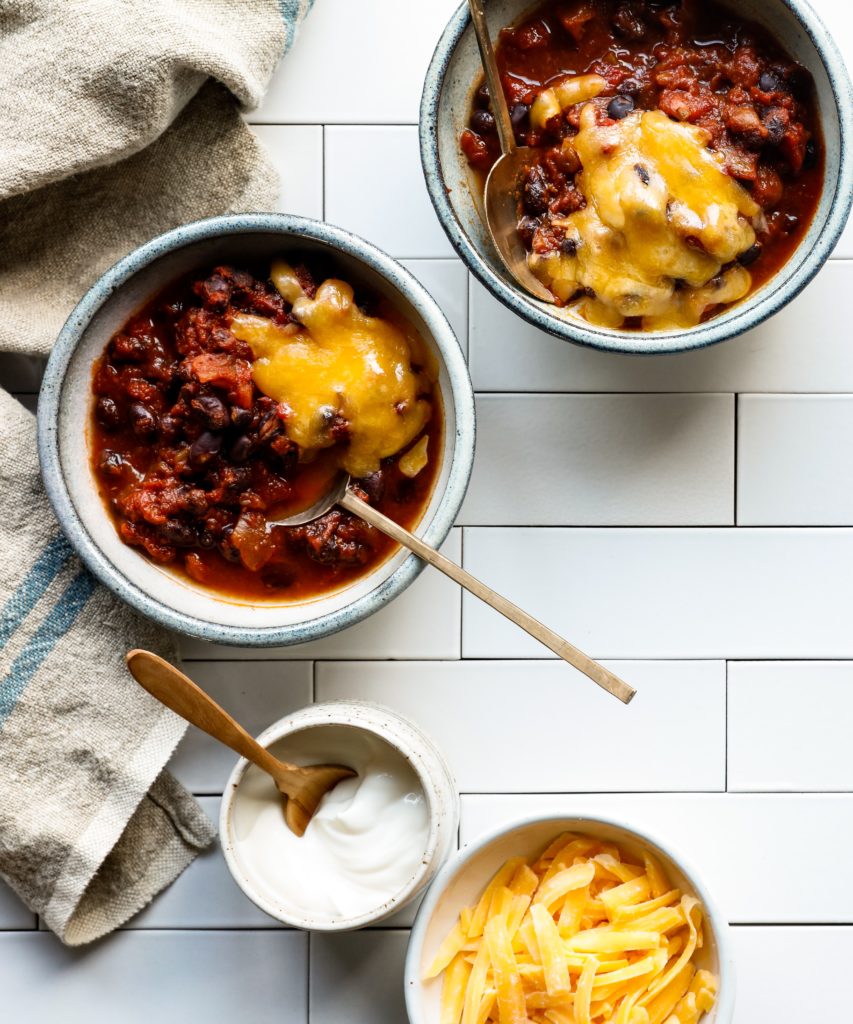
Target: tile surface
column 137, row 977
column 297, row 154
column 358, row 978
column 602, row 459
column 789, row 726
column 392, row 210
column 793, row 468
column 533, row 711
column 665, row 593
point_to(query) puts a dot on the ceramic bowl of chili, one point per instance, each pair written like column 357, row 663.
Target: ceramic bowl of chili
column 188, row 571
column 730, row 70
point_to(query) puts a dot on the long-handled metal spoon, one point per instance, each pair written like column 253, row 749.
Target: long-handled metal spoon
column 303, row 788
column 341, row 495
column 501, row 194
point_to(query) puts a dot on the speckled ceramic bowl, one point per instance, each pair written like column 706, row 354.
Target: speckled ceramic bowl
column 455, row 70
column 65, row 404
column 466, row 874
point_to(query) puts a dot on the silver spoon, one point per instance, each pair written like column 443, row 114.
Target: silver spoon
column 341, row 495
column 501, row 193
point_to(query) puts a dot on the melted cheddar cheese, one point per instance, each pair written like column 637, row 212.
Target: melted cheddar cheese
column 336, row 361
column 662, row 219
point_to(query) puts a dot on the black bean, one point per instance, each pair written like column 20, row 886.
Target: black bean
column 373, row 486
column 179, row 533
column 211, row 411
column 206, row 540
column 226, row 548
column 142, row 421
column 112, row 464
column 108, row 413
column 619, row 107
column 810, row 158
column 518, row 113
column 483, row 95
column 241, row 449
column 629, row 87
column 569, row 247
column 240, row 417
column 642, row 173
column 526, row 227
column 751, row 255
column 535, row 191
column 270, row 427
column 768, row 82
column 204, row 448
column 483, row 122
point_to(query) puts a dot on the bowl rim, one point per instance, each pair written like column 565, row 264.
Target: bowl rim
column 413, row 745
column 803, row 265
column 455, row 863
column 295, row 228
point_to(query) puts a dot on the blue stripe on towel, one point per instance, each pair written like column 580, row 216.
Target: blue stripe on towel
column 55, row 625
column 290, row 13
column 36, row 582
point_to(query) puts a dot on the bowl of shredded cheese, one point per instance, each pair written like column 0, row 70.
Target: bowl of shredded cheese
column 569, row 920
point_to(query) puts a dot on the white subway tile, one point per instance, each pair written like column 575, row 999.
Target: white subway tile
column 553, row 460
column 447, row 282
column 137, row 977
column 357, row 62
column 778, row 971
column 357, row 977
column 204, row 895
column 669, row 593
column 256, row 694
column 806, row 347
column 296, row 151
column 761, row 857
column 789, row 726
column 375, row 188
column 518, row 726
column 793, row 460
column 423, row 622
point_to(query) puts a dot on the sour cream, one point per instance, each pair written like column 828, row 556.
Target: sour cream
column 363, row 846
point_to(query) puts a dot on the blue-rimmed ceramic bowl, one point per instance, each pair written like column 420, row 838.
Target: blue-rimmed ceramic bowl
column 461, row 881
column 65, row 405
column 456, row 70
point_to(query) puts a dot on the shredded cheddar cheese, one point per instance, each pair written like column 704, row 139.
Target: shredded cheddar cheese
column 661, row 221
column 337, row 361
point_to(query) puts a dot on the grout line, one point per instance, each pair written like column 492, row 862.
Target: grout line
column 462, row 596
column 727, row 793
column 323, row 172
column 726, row 761
column 736, row 468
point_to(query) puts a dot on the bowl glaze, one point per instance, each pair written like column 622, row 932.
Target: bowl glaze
column 64, row 413
column 454, row 71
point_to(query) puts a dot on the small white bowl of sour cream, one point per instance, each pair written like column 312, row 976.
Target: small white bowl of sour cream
column 375, row 842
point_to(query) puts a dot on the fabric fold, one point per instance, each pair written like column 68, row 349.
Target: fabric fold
column 122, row 120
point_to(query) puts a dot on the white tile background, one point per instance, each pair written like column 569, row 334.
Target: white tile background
column 688, row 518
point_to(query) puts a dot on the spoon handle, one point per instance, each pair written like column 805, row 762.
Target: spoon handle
column 180, row 694
column 493, row 77
column 597, row 673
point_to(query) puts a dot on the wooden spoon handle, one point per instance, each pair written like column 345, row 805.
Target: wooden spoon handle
column 493, row 77
column 180, row 694
column 597, row 673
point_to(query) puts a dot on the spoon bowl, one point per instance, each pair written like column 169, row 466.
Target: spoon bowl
column 501, row 192
column 302, row 787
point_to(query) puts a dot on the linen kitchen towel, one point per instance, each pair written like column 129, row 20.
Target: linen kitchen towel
column 119, row 120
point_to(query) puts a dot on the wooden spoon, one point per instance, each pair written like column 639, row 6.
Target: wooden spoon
column 303, row 788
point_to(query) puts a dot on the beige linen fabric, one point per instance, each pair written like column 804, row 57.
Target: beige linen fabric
column 119, row 120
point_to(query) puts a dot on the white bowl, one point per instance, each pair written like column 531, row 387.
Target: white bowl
column 65, row 407
column 463, row 879
column 416, row 748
